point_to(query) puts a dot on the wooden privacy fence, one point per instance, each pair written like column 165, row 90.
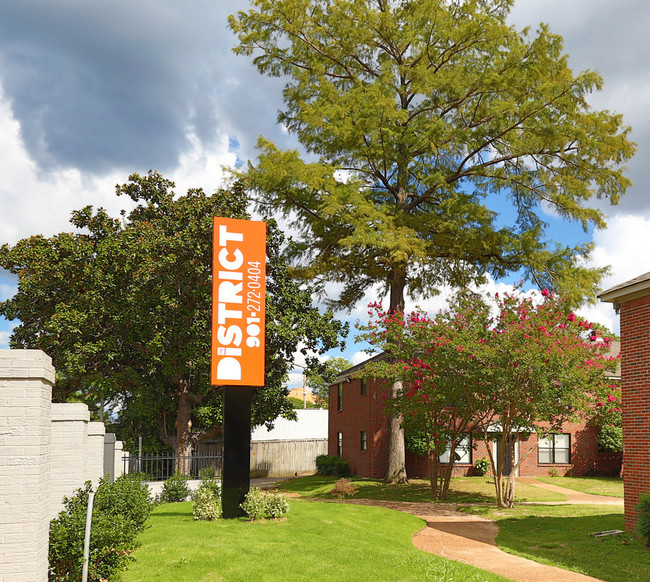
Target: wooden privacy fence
column 285, row 458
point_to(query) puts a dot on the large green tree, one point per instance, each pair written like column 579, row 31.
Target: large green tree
column 418, row 119
column 123, row 307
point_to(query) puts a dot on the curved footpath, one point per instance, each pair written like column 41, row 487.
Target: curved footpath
column 471, row 539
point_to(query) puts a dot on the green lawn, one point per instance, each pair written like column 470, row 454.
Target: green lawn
column 609, row 486
column 461, row 490
column 559, row 535
column 317, row 541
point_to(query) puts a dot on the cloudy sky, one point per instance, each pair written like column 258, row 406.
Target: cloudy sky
column 92, row 91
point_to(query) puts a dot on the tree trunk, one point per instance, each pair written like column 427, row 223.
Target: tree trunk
column 184, row 442
column 396, row 470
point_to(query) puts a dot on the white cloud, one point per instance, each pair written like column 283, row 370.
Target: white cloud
column 4, row 339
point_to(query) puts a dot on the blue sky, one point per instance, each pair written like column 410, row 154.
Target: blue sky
column 92, row 91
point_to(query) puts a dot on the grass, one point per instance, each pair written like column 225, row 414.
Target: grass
column 558, row 535
column 461, row 490
column 609, row 486
column 317, row 541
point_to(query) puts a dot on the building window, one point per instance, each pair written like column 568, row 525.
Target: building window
column 364, row 440
column 555, row 448
column 462, row 454
column 339, row 401
column 339, row 444
column 363, row 385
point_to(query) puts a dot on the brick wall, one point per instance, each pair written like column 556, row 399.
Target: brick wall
column 26, row 379
column 360, row 412
column 46, row 452
column 635, row 382
column 365, row 412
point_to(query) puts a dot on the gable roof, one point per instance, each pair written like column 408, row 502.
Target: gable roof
column 624, row 292
column 347, row 374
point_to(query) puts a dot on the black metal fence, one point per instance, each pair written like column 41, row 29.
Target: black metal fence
column 161, row 466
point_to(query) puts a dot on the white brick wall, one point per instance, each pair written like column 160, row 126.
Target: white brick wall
column 26, row 379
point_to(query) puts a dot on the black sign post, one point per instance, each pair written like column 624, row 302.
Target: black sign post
column 236, row 449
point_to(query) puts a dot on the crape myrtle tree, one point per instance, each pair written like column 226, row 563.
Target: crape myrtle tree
column 443, row 397
column 417, row 119
column 503, row 366
column 123, row 307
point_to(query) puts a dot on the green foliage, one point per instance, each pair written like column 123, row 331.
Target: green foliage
column 515, row 360
column 207, row 504
column 610, row 438
column 332, row 465
column 209, row 481
column 319, row 382
column 123, row 306
column 643, row 509
column 481, row 466
column 119, row 513
column 298, row 403
column 435, row 111
column 259, row 504
column 175, row 488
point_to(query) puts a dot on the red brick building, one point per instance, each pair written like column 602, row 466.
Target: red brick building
column 632, row 300
column 358, row 432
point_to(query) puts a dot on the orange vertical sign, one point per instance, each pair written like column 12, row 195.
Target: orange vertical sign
column 238, row 302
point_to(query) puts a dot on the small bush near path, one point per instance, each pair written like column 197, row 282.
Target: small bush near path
column 260, row 504
column 120, row 511
column 324, row 542
column 559, row 536
column 608, row 486
column 344, row 487
column 175, row 489
column 461, row 490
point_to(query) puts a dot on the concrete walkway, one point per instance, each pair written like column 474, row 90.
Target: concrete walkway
column 574, row 497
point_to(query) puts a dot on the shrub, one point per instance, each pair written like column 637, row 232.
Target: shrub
column 120, row 511
column 552, row 472
column 276, row 505
column 332, row 465
column 260, row 505
column 175, row 489
column 610, row 438
column 207, row 498
column 481, row 466
column 207, row 506
column 643, row 509
column 344, row 487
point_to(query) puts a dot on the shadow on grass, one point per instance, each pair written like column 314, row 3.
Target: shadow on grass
column 417, row 490
column 565, row 542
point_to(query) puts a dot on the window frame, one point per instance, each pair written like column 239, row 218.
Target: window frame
column 363, row 435
column 339, row 444
column 464, row 445
column 339, row 397
column 549, row 445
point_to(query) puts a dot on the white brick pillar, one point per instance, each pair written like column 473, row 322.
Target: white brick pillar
column 69, row 451
column 109, row 456
column 121, row 465
column 95, row 452
column 26, row 379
